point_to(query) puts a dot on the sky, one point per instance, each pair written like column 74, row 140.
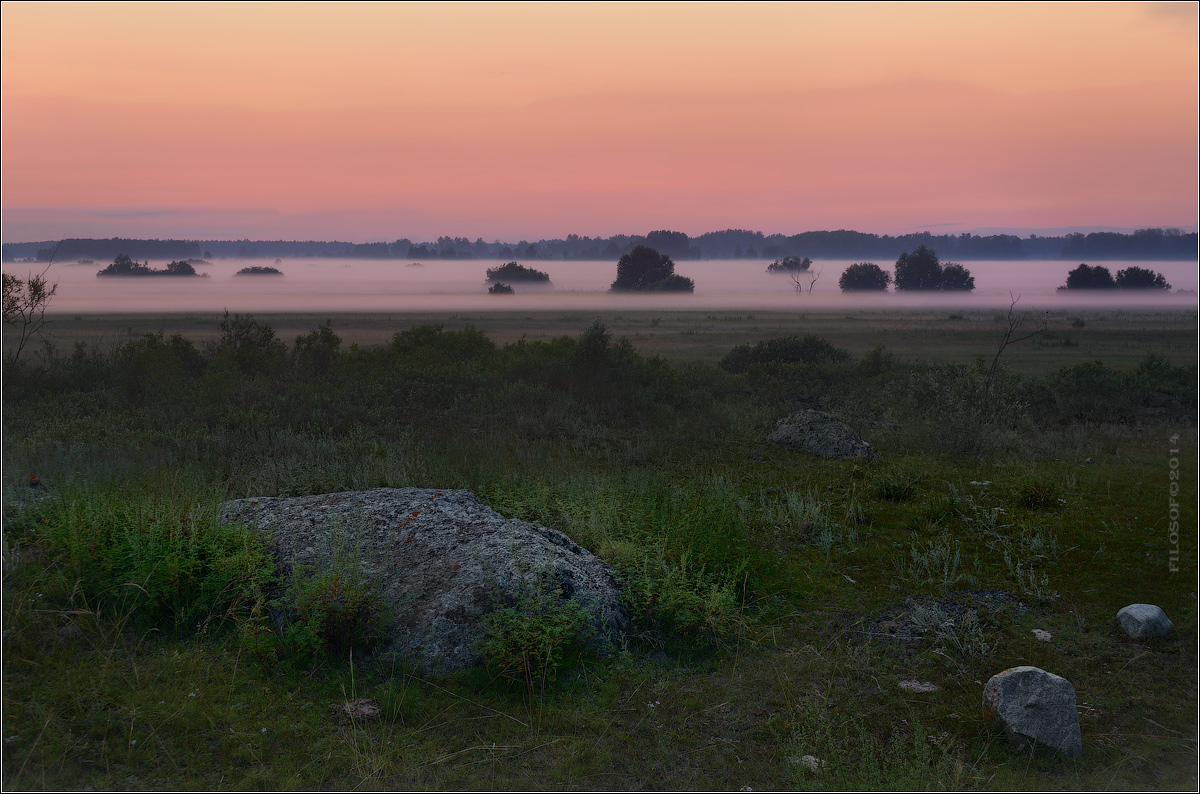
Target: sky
column 372, row 122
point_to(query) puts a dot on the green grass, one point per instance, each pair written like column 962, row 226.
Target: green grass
column 777, row 598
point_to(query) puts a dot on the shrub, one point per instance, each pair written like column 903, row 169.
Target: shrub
column 790, row 264
column 1141, row 278
column 317, row 350
column 865, row 276
column 1088, row 277
column 252, row 345
column 151, row 368
column 527, row 641
column 809, row 349
column 335, row 608
column 149, row 551
column 956, row 278
column 644, row 269
column 515, row 272
column 921, row 270
column 122, row 265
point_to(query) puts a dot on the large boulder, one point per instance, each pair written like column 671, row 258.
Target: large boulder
column 1037, row 706
column 820, row 434
column 1144, row 621
column 441, row 559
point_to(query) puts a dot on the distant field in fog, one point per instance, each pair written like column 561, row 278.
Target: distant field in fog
column 329, row 285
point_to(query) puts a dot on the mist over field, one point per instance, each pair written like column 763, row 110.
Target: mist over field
column 391, row 285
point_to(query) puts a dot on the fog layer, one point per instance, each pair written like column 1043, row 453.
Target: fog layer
column 389, row 285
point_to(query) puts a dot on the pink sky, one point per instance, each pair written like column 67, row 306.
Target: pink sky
column 380, row 121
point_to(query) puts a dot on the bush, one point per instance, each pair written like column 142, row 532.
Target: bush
column 810, row 349
column 122, row 265
column 149, row 551
column 921, row 270
column 515, row 272
column 1088, row 277
column 790, row 264
column 252, row 345
column 317, row 350
column 527, row 641
column 644, row 269
column 1141, row 278
column 333, row 610
column 865, row 276
column 956, row 278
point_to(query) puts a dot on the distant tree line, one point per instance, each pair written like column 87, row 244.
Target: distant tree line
column 1143, row 244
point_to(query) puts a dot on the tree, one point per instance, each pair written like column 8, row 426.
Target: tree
column 181, row 269
column 864, row 276
column 25, row 303
column 789, row 264
column 957, row 278
column 921, row 270
column 1141, row 278
column 1088, row 277
column 1014, row 325
column 645, row 270
column 515, row 272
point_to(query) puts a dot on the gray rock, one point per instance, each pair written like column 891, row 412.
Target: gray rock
column 1034, row 705
column 1144, row 621
column 442, row 559
column 820, row 434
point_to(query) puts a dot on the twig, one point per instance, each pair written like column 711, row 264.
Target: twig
column 1014, row 325
column 473, row 703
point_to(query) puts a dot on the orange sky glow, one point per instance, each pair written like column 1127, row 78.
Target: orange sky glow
column 506, row 121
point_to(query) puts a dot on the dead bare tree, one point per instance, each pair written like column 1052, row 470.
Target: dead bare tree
column 1015, row 324
column 799, row 285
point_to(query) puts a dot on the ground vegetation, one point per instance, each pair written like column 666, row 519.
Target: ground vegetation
column 777, row 600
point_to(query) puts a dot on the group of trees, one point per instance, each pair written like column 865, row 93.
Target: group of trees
column 1098, row 277
column 512, row 271
column 122, row 265
column 919, row 270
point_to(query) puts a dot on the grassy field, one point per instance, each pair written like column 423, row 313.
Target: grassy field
column 778, row 599
column 1119, row 337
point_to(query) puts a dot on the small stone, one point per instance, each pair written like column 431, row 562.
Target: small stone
column 1042, row 635
column 813, row 763
column 1143, row 621
column 1034, row 705
column 918, row 686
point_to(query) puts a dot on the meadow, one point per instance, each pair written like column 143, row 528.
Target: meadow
column 777, row 599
